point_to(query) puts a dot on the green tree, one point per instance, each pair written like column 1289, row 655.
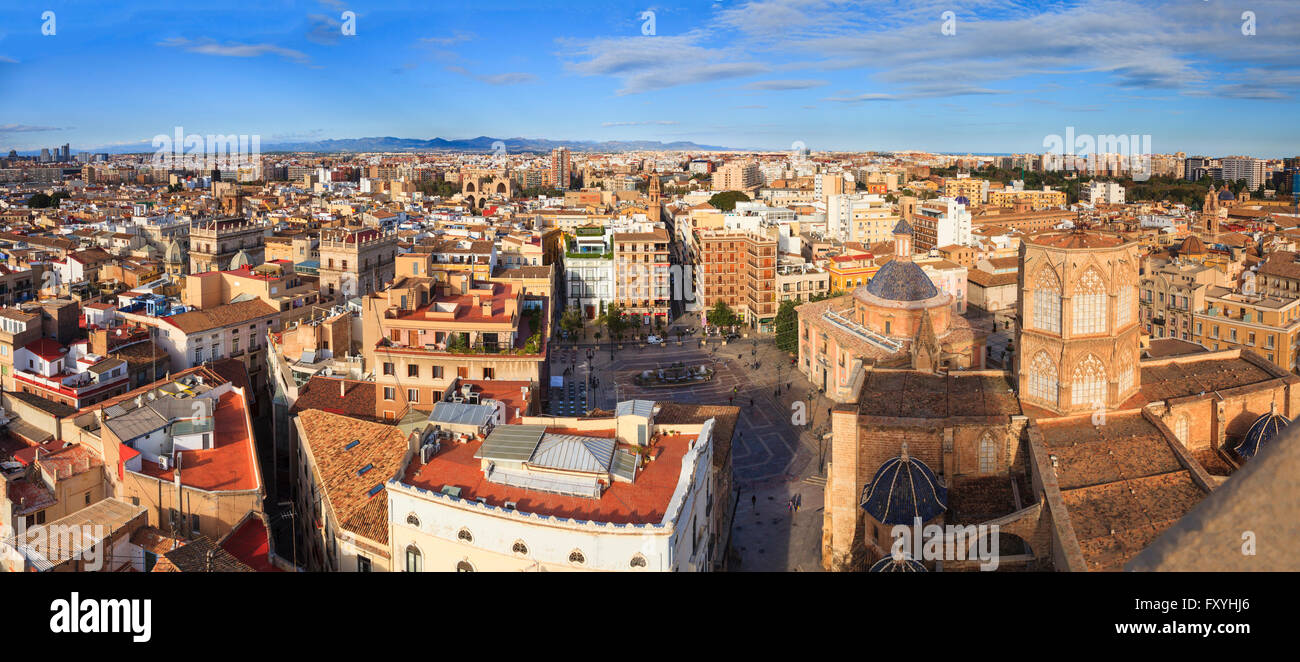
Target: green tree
column 614, row 320
column 787, row 327
column 571, row 322
column 38, row 201
column 721, row 315
column 726, row 201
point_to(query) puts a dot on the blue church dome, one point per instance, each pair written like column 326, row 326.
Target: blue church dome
column 901, row 281
column 904, row 489
column 1262, row 431
column 902, row 564
column 1225, row 194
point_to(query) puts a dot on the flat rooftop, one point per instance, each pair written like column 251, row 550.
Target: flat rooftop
column 644, row 501
column 230, row 465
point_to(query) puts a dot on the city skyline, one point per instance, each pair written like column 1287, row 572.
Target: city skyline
column 994, row 76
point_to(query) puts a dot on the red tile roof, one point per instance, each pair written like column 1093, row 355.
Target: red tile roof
column 644, row 501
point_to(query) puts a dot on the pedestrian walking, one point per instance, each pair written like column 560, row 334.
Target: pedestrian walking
column 751, row 403
column 753, row 500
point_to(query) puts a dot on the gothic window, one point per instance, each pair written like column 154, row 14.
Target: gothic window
column 1088, row 384
column 988, row 455
column 520, row 548
column 1125, row 374
column 576, row 558
column 465, row 535
column 414, row 559
column 1047, row 301
column 1182, row 429
column 1043, row 378
column 638, row 561
column 1125, row 313
column 1090, row 304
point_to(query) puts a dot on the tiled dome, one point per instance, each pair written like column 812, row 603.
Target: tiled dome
column 902, row 564
column 904, row 489
column 901, row 281
column 1262, row 431
column 1225, row 194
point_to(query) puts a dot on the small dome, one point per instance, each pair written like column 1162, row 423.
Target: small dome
column 903, row 227
column 1225, row 194
column 1193, row 246
column 241, row 260
column 902, row 563
column 963, row 200
column 1262, row 431
column 902, row 280
column 904, row 489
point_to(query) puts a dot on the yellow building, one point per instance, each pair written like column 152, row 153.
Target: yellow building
column 1267, row 326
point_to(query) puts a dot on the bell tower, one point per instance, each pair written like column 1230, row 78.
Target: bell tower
column 656, row 192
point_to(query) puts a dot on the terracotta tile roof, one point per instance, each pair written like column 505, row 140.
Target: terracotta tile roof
column 357, row 399
column 344, row 478
column 692, row 414
column 197, row 321
column 202, row 555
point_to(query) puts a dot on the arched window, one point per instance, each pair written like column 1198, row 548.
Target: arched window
column 520, row 548
column 1043, row 379
column 464, row 566
column 414, row 560
column 1124, row 315
column 1124, row 374
column 576, row 557
column 1089, row 311
column 1182, row 429
column 413, row 520
column 638, row 561
column 1047, row 301
column 988, row 455
column 465, row 535
column 1088, row 383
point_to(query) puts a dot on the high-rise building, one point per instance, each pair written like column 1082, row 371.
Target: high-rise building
column 737, row 176
column 561, row 168
column 1249, row 169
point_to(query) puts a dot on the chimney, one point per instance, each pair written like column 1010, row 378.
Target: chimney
column 343, row 388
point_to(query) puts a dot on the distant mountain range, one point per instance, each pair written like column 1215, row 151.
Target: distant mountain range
column 485, row 144
column 480, row 144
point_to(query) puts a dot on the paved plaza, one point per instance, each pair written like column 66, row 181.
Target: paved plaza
column 773, row 458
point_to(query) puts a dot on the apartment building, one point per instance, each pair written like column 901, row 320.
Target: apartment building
column 941, row 222
column 569, row 494
column 589, row 271
column 276, row 283
column 737, row 176
column 1035, row 200
column 801, row 282
column 738, row 268
column 183, row 449
column 355, row 261
column 1170, row 294
column 1265, row 325
column 70, row 375
column 214, row 243
column 642, row 276
column 963, row 185
column 864, row 217
column 235, row 330
column 423, row 333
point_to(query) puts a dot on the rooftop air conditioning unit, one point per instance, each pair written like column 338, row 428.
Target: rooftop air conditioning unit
column 164, row 462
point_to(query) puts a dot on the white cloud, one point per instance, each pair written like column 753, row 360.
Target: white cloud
column 234, row 49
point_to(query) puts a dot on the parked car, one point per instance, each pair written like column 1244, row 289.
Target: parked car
column 654, row 340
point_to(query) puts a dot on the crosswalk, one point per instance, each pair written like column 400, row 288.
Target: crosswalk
column 819, row 481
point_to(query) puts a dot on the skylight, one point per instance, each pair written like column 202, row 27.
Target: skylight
column 352, row 444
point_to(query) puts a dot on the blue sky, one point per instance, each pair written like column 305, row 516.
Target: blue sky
column 763, row 74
